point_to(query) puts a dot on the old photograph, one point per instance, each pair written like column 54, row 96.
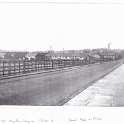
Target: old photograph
column 62, row 53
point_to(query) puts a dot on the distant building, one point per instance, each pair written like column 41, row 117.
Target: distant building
column 31, row 55
column 42, row 56
column 15, row 55
column 2, row 55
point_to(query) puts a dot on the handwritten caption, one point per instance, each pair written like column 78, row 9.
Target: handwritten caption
column 49, row 121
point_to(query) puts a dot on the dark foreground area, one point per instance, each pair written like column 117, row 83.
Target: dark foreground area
column 53, row 88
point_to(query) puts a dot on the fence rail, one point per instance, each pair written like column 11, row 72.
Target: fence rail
column 8, row 68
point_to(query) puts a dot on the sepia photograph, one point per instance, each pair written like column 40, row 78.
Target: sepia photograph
column 62, row 53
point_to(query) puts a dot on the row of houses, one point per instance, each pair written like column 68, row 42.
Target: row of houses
column 41, row 55
column 104, row 54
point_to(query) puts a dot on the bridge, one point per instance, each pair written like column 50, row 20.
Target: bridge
column 52, row 87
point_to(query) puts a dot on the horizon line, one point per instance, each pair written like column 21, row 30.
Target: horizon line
column 55, row 2
column 1, row 50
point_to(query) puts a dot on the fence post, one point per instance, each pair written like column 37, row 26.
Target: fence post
column 52, row 64
column 14, row 66
column 3, row 67
column 44, row 64
column 19, row 66
column 35, row 65
column 24, row 69
column 9, row 67
column 38, row 65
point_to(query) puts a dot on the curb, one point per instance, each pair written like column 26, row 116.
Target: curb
column 61, row 103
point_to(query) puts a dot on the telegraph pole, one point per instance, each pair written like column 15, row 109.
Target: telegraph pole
column 109, row 45
column 63, row 52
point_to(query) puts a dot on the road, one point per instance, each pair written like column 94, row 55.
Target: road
column 106, row 92
column 54, row 88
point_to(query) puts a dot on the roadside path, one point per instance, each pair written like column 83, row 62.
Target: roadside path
column 108, row 91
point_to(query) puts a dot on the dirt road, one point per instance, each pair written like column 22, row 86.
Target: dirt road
column 54, row 88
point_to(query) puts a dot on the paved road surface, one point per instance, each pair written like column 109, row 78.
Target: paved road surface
column 52, row 88
column 108, row 91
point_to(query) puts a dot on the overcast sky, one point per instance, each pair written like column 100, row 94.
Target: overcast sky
column 41, row 26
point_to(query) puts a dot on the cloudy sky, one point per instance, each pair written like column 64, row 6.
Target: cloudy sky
column 57, row 26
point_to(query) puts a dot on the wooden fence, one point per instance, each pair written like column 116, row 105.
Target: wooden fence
column 8, row 68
